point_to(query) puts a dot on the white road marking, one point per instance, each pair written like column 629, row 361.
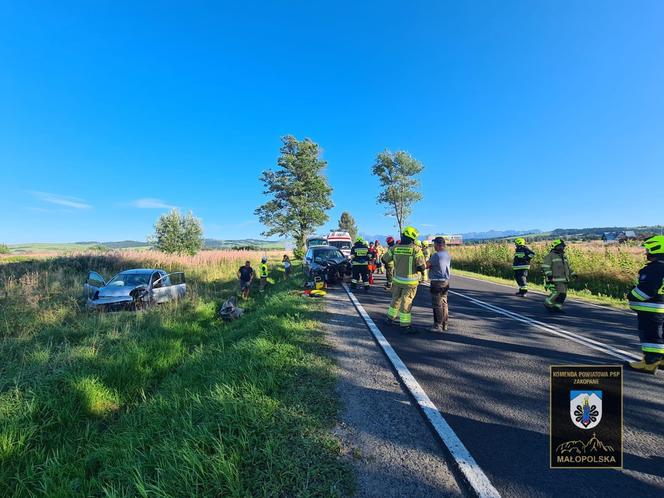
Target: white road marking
column 579, row 339
column 466, row 463
column 576, row 301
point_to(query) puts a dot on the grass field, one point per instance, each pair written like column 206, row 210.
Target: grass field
column 603, row 271
column 165, row 402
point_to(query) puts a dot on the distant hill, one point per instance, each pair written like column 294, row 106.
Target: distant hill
column 48, row 247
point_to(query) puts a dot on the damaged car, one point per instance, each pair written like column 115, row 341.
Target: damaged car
column 326, row 263
column 133, row 289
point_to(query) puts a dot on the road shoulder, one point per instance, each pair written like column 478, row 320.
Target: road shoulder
column 382, row 433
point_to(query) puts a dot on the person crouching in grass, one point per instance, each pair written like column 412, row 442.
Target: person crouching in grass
column 287, row 265
column 246, row 276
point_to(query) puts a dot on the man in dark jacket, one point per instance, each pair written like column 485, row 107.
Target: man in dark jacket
column 647, row 299
column 521, row 265
column 359, row 255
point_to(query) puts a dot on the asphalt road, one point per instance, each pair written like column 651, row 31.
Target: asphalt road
column 489, row 377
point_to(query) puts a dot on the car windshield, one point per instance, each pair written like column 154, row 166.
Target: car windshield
column 130, row 279
column 341, row 244
column 317, row 242
column 327, row 253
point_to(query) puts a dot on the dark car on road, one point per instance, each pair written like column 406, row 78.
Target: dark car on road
column 326, row 262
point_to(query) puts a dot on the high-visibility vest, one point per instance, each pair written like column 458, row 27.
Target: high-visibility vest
column 263, row 269
column 407, row 258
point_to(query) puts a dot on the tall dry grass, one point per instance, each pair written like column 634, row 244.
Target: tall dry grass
column 602, row 270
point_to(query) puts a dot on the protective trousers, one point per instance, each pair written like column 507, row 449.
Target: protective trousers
column 521, row 277
column 389, row 271
column 360, row 272
column 402, row 304
column 439, row 301
column 558, row 295
column 651, row 334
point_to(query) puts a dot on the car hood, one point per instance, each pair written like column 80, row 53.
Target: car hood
column 330, row 261
column 117, row 290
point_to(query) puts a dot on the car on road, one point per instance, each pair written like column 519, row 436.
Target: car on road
column 326, row 262
column 133, row 289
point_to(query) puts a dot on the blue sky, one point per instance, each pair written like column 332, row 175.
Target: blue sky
column 525, row 114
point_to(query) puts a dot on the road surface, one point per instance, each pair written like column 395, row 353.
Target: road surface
column 489, row 377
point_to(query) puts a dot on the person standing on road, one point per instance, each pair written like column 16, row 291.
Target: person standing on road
column 647, row 299
column 263, row 273
column 359, row 255
column 439, row 275
column 389, row 266
column 379, row 256
column 521, row 265
column 558, row 274
column 408, row 265
column 246, row 276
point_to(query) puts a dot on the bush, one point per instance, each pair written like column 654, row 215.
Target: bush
column 4, row 249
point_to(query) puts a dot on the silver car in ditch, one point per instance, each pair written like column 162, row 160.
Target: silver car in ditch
column 133, row 289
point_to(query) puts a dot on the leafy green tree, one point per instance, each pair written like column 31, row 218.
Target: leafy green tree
column 347, row 224
column 177, row 233
column 397, row 173
column 299, row 190
column 4, row 249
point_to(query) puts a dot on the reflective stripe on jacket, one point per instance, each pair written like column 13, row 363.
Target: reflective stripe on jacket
column 360, row 254
column 648, row 295
column 408, row 262
column 555, row 265
column 522, row 258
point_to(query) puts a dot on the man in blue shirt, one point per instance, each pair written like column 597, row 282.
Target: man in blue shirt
column 439, row 276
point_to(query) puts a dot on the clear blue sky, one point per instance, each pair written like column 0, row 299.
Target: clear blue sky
column 525, row 114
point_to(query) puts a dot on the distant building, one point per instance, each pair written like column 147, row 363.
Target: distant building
column 450, row 240
column 618, row 237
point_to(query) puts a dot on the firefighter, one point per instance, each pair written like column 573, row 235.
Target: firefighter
column 647, row 299
column 360, row 263
column 389, row 266
column 408, row 263
column 521, row 265
column 263, row 273
column 558, row 274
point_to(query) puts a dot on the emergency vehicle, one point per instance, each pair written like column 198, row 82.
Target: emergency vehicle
column 340, row 240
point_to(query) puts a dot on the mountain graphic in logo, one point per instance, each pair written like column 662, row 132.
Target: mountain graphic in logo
column 577, row 447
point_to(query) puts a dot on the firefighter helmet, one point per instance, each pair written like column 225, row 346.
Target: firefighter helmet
column 519, row 241
column 557, row 242
column 654, row 245
column 411, row 232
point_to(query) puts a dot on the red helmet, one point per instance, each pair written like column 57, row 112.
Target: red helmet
column 390, row 240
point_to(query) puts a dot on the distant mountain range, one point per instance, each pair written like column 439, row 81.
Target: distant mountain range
column 491, row 234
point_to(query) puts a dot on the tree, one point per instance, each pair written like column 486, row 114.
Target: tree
column 397, row 173
column 176, row 233
column 347, row 223
column 4, row 249
column 300, row 193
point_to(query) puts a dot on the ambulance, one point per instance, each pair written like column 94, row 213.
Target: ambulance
column 340, row 240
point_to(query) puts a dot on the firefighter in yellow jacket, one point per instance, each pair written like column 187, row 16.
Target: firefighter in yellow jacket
column 558, row 274
column 408, row 263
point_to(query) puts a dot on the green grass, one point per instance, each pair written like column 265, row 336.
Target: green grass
column 167, row 402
